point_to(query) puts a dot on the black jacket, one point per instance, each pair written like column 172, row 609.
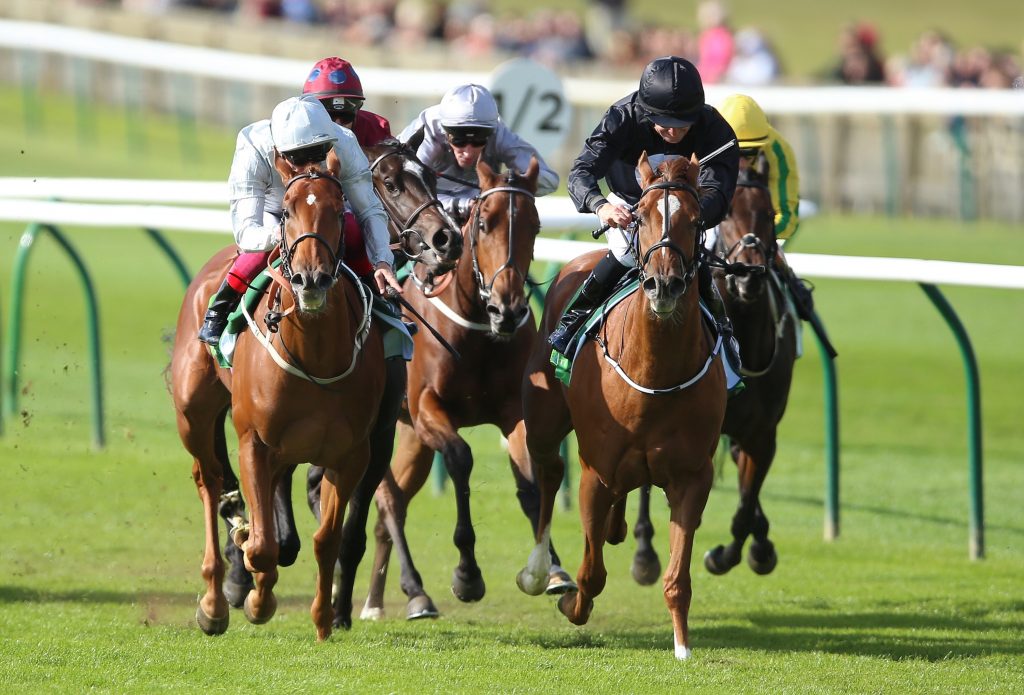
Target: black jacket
column 613, row 150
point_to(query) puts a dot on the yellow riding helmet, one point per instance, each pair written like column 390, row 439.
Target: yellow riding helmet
column 747, row 119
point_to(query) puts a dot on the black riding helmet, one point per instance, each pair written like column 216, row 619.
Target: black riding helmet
column 671, row 92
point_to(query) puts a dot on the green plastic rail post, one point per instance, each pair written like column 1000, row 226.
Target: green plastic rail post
column 976, row 523
column 176, row 260
column 831, row 442
column 15, row 319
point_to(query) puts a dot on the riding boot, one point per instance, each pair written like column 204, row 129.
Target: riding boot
column 713, row 301
column 222, row 304
column 593, row 292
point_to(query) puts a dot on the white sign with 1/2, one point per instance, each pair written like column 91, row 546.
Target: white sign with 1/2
column 532, row 103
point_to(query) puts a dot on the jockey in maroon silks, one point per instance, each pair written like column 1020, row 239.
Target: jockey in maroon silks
column 336, row 85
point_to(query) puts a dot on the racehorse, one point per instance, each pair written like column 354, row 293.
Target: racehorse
column 483, row 314
column 318, row 404
column 646, row 399
column 427, row 236
column 766, row 331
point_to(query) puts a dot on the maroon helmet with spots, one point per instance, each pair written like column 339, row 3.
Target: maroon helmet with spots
column 333, row 77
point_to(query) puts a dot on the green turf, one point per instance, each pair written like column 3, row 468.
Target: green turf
column 102, row 550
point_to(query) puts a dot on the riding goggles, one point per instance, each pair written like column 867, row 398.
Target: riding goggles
column 343, row 108
column 475, row 137
column 307, row 155
column 749, row 152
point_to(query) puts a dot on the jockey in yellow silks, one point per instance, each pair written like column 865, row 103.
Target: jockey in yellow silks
column 755, row 136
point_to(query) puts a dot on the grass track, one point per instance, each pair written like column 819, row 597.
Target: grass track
column 99, row 568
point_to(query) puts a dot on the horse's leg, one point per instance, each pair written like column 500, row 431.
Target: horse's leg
column 761, row 556
column 547, row 422
column 197, row 434
column 751, row 459
column 595, row 505
column 288, row 539
column 687, row 499
column 260, row 548
column 437, row 431
column 646, row 565
column 528, row 493
column 238, row 581
column 339, row 480
column 413, row 461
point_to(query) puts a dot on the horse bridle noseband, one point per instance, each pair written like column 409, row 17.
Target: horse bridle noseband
column 406, row 230
column 749, row 240
column 484, row 288
column 689, row 267
column 288, row 251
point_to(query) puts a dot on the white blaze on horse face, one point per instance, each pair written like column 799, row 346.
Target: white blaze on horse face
column 311, row 200
column 673, row 207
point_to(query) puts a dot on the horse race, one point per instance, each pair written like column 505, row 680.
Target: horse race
column 511, row 347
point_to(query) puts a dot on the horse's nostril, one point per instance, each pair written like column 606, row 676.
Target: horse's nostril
column 323, row 281
column 441, row 240
column 299, row 280
column 494, row 309
column 650, row 285
column 676, row 286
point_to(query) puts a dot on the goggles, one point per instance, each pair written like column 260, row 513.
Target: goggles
column 473, row 136
column 308, row 155
column 343, row 108
column 749, row 152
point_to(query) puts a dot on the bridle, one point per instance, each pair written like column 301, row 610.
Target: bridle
column 484, row 288
column 287, row 252
column 406, row 232
column 665, row 242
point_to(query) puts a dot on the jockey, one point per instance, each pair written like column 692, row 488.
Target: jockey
column 756, row 136
column 460, row 130
column 667, row 118
column 335, row 83
column 302, row 131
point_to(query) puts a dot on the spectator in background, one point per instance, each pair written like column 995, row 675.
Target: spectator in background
column 754, row 62
column 715, row 42
column 859, row 61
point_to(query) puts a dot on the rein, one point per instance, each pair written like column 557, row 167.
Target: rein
column 484, row 288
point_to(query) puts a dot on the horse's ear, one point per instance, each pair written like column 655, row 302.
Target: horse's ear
column 286, row 169
column 532, row 171
column 693, row 170
column 333, row 163
column 646, row 172
column 485, row 173
column 417, row 138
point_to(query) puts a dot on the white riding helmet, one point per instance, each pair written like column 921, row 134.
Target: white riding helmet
column 300, row 122
column 469, row 106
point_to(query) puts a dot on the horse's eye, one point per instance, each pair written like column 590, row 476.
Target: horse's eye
column 390, row 186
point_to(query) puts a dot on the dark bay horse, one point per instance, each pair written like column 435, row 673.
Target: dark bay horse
column 646, row 399
column 317, row 404
column 485, row 315
column 766, row 331
column 421, row 229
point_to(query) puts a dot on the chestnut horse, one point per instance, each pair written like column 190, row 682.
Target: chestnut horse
column 428, row 237
column 485, row 315
column 766, row 331
column 317, row 404
column 646, row 399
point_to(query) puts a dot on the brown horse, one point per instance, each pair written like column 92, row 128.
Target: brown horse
column 646, row 399
column 484, row 314
column 317, row 404
column 766, row 332
column 428, row 237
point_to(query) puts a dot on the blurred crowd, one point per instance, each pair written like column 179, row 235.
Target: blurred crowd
column 605, row 38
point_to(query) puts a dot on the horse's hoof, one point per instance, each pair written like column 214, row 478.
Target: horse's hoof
column 420, row 607
column 761, row 557
column 342, row 622
column 371, row 612
column 235, row 593
column 529, row 582
column 240, row 534
column 211, row 626
column 567, row 606
column 270, row 604
column 646, row 567
column 717, row 562
column 468, row 591
column 559, row 582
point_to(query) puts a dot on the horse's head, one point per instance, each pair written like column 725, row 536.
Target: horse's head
column 408, row 190
column 501, row 230
column 667, row 236
column 747, row 234
column 311, row 234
